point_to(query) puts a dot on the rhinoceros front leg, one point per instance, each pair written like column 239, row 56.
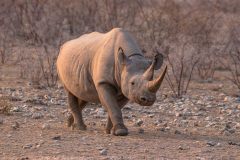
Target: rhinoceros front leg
column 76, row 105
column 121, row 103
column 108, row 98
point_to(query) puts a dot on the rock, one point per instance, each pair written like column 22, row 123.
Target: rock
column 167, row 128
column 140, row 130
column 151, row 115
column 57, row 137
column 211, row 143
column 178, row 114
column 15, row 125
column 1, row 120
column 177, row 132
column 45, row 126
column 238, row 106
column 218, row 144
column 237, row 126
column 37, row 115
column 180, row 148
column 227, row 99
column 127, row 108
column 195, row 124
column 9, row 135
column 165, row 124
column 100, row 111
column 27, row 146
column 199, row 102
column 139, row 122
column 238, row 100
column 15, row 109
column 23, row 158
column 103, row 152
column 162, row 129
column 157, row 122
column 208, row 118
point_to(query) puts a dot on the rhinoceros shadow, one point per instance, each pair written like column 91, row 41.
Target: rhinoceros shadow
column 152, row 134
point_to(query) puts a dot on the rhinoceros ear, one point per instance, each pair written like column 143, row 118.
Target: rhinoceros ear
column 159, row 61
column 122, row 58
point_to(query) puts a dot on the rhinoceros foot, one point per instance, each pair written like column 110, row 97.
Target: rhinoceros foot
column 82, row 127
column 70, row 120
column 120, row 130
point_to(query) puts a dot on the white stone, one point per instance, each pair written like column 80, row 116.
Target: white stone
column 103, row 152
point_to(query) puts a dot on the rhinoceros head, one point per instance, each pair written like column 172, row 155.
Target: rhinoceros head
column 137, row 81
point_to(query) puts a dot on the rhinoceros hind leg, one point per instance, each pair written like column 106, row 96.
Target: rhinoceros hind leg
column 70, row 120
column 109, row 125
column 76, row 106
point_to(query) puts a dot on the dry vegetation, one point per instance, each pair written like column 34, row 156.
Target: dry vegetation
column 193, row 35
column 200, row 41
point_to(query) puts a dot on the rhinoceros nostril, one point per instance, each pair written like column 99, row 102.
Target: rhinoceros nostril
column 143, row 99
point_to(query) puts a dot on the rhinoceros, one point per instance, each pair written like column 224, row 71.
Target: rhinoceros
column 107, row 68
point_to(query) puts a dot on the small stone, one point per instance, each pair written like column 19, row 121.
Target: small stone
column 15, row 125
column 233, row 143
column 37, row 115
column 56, row 138
column 139, row 122
column 180, row 148
column 100, row 111
column 195, row 124
column 211, row 143
column 167, row 128
column 151, row 115
column 238, row 106
column 45, row 126
column 227, row 99
column 200, row 102
column 9, row 135
column 165, row 124
column 157, row 123
column 177, row 132
column 162, row 129
column 140, row 130
column 27, row 146
column 238, row 100
column 231, row 130
column 208, row 118
column 103, row 152
column 237, row 126
column 218, row 144
column 38, row 145
column 127, row 108
column 24, row 158
column 1, row 121
column 15, row 109
column 177, row 114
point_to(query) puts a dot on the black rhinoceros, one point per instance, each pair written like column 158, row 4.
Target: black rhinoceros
column 107, row 68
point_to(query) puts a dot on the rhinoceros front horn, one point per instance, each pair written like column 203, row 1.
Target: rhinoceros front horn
column 154, row 85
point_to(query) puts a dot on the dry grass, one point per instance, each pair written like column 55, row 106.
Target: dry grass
column 5, row 105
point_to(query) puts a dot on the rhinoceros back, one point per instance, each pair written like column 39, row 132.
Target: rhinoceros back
column 74, row 65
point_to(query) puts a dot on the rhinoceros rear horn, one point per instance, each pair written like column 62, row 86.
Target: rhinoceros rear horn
column 154, row 85
column 122, row 58
column 148, row 74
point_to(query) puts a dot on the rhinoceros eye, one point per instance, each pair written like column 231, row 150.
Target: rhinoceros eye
column 132, row 83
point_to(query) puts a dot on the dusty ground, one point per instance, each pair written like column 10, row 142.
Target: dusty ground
column 205, row 124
